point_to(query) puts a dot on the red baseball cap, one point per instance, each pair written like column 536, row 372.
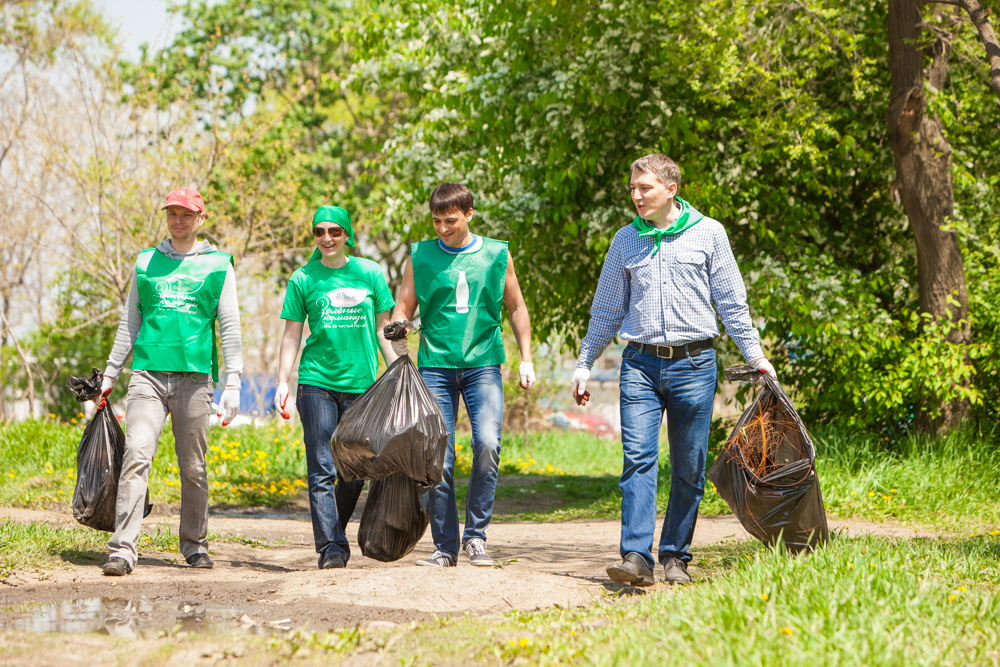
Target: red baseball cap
column 189, row 198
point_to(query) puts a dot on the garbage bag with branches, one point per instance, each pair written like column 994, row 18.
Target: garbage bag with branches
column 766, row 471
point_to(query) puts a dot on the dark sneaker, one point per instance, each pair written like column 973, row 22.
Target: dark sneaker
column 476, row 548
column 117, row 567
column 332, row 562
column 632, row 570
column 200, row 560
column 675, row 571
column 438, row 559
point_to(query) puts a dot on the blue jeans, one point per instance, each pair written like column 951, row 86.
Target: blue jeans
column 685, row 388
column 330, row 505
column 482, row 390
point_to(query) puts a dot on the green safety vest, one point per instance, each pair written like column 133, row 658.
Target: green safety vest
column 460, row 297
column 178, row 299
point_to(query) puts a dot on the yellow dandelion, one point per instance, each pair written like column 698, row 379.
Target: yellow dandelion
column 892, row 490
column 961, row 589
column 871, row 494
column 854, row 493
column 763, row 596
column 525, row 642
column 513, row 643
column 884, row 497
column 787, row 630
column 951, row 598
column 11, row 475
column 850, row 566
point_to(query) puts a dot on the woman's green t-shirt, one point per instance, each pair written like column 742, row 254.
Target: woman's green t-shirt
column 341, row 353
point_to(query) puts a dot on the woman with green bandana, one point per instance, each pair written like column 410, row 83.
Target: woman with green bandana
column 347, row 302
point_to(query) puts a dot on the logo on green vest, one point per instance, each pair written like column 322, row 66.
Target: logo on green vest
column 178, row 293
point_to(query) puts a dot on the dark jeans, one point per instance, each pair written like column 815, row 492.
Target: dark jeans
column 684, row 388
column 331, row 499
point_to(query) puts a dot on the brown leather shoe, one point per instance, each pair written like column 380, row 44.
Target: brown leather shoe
column 675, row 571
column 632, row 571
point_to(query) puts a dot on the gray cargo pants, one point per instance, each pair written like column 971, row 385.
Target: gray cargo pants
column 187, row 397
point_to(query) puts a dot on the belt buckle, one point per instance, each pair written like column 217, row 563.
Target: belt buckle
column 670, row 352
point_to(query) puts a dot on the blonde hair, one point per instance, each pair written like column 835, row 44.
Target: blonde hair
column 665, row 169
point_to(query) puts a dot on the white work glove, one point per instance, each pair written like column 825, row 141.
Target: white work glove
column 765, row 367
column 400, row 347
column 527, row 372
column 281, row 400
column 229, row 404
column 107, row 386
column 579, row 384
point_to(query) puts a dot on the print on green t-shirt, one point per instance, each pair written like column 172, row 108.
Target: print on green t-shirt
column 341, row 353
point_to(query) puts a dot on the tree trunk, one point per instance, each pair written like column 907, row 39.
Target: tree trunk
column 923, row 180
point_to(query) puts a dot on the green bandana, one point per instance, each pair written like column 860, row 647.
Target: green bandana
column 689, row 217
column 337, row 216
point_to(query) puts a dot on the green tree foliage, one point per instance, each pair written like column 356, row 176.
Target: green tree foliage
column 775, row 112
column 268, row 76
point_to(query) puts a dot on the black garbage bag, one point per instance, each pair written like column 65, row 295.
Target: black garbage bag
column 766, row 471
column 395, row 518
column 395, row 426
column 98, row 460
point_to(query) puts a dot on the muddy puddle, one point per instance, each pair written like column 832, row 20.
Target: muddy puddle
column 143, row 617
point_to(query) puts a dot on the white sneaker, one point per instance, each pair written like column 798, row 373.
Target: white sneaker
column 438, row 559
column 476, row 548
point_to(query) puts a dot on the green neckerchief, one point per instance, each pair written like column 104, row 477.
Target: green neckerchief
column 689, row 217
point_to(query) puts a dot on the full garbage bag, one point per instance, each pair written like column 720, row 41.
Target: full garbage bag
column 394, row 519
column 395, row 426
column 98, row 460
column 766, row 471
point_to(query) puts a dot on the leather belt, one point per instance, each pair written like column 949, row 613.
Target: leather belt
column 675, row 351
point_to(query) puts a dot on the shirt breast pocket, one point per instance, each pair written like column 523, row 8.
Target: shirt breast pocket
column 691, row 268
column 640, row 270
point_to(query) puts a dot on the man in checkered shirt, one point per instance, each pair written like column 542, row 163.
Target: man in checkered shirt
column 660, row 278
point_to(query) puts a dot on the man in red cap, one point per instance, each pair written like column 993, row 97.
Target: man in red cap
column 178, row 290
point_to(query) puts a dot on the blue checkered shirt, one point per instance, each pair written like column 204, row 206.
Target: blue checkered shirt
column 666, row 298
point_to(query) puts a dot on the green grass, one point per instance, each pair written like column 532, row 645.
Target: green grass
column 27, row 545
column 867, row 601
column 246, row 466
column 950, row 483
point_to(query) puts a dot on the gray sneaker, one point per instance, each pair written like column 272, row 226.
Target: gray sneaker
column 476, row 548
column 675, row 571
column 438, row 559
column 116, row 567
column 632, row 571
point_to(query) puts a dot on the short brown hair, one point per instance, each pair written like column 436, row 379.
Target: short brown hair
column 450, row 196
column 661, row 166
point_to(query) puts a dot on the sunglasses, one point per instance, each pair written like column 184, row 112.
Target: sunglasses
column 335, row 232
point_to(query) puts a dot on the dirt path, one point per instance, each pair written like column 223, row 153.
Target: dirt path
column 541, row 565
